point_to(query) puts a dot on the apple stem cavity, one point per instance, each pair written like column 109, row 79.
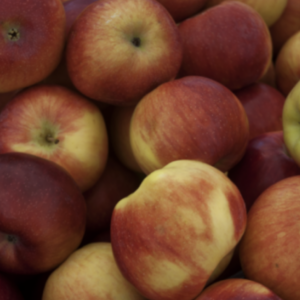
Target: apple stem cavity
column 13, row 34
column 136, row 42
column 11, row 238
column 51, row 139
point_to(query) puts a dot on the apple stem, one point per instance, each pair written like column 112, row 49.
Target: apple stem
column 51, row 139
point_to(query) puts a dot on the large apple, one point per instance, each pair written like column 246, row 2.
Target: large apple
column 229, row 43
column 42, row 214
column 263, row 105
column 178, row 230
column 189, row 118
column 90, row 273
column 60, row 125
column 32, row 40
column 119, row 50
column 264, row 163
column 237, row 288
column 269, row 249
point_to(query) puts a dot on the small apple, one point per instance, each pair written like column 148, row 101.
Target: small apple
column 189, row 118
column 42, row 214
column 58, row 124
column 119, row 50
column 32, row 41
column 229, row 43
column 178, row 230
column 90, row 273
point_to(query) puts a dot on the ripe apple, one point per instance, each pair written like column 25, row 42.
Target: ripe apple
column 291, row 123
column 269, row 249
column 237, row 288
column 6, row 97
column 286, row 26
column 178, row 230
column 229, row 43
column 270, row 10
column 264, row 163
column 120, row 50
column 181, row 10
column 263, row 105
column 189, row 118
column 42, row 214
column 58, row 124
column 90, row 273
column 32, row 41
column 9, row 290
column 287, row 65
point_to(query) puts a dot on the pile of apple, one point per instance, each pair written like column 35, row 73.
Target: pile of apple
column 149, row 149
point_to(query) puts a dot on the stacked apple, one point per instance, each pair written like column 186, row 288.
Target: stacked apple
column 149, row 149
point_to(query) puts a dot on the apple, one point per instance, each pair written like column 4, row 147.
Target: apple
column 263, row 105
column 90, row 273
column 291, row 123
column 286, row 26
column 6, row 97
column 58, row 124
column 189, row 118
column 9, row 290
column 178, row 230
column 270, row 10
column 264, row 163
column 270, row 76
column 181, row 10
column 287, row 66
column 119, row 134
column 42, row 214
column 229, row 43
column 269, row 248
column 118, row 50
column 237, row 288
column 32, row 41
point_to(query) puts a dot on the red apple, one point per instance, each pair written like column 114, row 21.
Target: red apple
column 229, row 43
column 42, row 214
column 237, row 289
column 269, row 249
column 60, row 125
column 178, row 230
column 8, row 289
column 120, row 50
column 32, row 41
column 264, row 163
column 263, row 105
column 189, row 118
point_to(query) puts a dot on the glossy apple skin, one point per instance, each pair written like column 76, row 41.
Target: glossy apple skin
column 170, row 235
column 287, row 66
column 286, row 26
column 189, row 118
column 83, row 146
column 181, row 10
column 42, row 215
column 237, row 289
column 229, row 43
column 41, row 28
column 263, row 105
column 269, row 247
column 90, row 273
column 270, row 10
column 102, row 60
column 264, row 163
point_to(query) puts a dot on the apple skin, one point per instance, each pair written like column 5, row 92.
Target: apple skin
column 264, row 163
column 80, row 142
column 286, row 26
column 198, row 119
column 181, row 10
column 230, row 30
column 237, row 289
column 9, row 290
column 287, row 66
column 269, row 247
column 34, row 35
column 263, row 105
column 176, row 229
column 270, row 76
column 90, row 273
column 119, row 50
column 269, row 10
column 42, row 215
